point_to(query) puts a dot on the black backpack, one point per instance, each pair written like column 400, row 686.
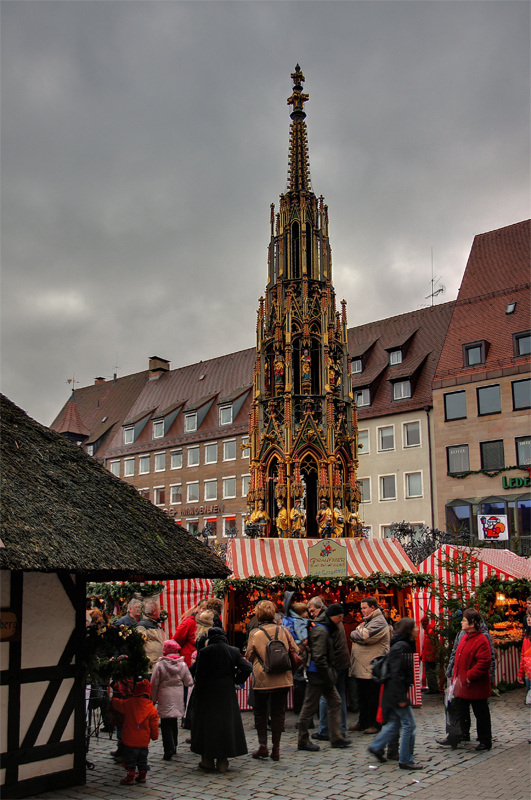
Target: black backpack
column 380, row 669
column 276, row 654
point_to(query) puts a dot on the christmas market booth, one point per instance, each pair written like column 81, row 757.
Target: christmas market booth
column 339, row 570
column 498, row 581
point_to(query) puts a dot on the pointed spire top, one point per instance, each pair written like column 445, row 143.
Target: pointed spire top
column 299, row 163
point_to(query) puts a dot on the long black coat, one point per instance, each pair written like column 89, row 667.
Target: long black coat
column 217, row 728
column 401, row 672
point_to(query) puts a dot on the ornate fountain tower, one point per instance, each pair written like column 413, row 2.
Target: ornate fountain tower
column 303, row 428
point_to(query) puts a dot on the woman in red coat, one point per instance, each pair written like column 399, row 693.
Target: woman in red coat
column 471, row 676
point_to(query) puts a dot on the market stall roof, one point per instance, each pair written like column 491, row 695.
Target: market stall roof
column 488, row 561
column 272, row 557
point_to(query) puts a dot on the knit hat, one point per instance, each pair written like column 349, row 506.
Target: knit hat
column 217, row 635
column 334, row 610
column 143, row 688
column 170, row 647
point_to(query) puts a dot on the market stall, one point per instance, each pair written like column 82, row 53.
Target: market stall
column 339, row 570
column 463, row 571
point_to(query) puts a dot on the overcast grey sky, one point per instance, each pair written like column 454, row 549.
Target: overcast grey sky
column 143, row 142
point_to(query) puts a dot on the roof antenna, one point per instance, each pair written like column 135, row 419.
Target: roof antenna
column 434, row 281
column 73, row 381
column 116, row 368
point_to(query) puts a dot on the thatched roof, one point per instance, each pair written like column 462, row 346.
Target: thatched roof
column 61, row 510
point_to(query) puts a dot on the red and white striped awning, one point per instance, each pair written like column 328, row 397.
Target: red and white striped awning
column 487, row 561
column 272, row 557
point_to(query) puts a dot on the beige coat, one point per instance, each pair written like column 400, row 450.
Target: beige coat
column 369, row 640
column 256, row 650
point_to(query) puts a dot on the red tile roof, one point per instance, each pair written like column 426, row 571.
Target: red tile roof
column 71, row 421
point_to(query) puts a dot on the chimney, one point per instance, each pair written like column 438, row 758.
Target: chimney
column 157, row 366
column 99, row 380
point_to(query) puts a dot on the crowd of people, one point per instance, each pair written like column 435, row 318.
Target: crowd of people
column 193, row 677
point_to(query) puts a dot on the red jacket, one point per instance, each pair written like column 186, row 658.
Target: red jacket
column 525, row 659
column 185, row 636
column 141, row 721
column 429, row 647
column 472, row 667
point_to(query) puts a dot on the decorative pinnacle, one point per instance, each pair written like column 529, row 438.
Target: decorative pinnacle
column 298, row 99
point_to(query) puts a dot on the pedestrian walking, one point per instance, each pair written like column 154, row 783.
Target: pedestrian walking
column 369, row 640
column 170, row 675
column 141, row 724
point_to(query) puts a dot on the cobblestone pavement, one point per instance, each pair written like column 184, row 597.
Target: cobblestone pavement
column 349, row 774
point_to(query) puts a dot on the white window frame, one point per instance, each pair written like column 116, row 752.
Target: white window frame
column 395, row 357
column 405, row 445
column 142, row 492
column 142, row 459
column 192, row 521
column 158, row 429
column 362, row 397
column 127, row 463
column 365, row 502
column 246, row 451
column 129, row 434
column 224, row 520
column 382, row 530
column 207, row 460
column 227, row 407
column 226, row 442
column 176, row 486
column 409, row 496
column 379, row 438
column 401, row 395
column 245, row 478
column 190, row 422
column 157, row 489
column 228, row 496
column 195, row 449
column 113, row 469
column 157, row 456
column 364, row 450
column 209, row 520
column 356, row 366
column 380, row 488
column 188, row 498
column 175, row 452
column 210, row 481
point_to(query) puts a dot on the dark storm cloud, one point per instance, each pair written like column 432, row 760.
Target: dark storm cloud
column 143, row 143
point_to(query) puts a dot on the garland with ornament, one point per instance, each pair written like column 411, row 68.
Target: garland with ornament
column 122, row 591
column 113, row 653
column 282, row 583
column 490, row 473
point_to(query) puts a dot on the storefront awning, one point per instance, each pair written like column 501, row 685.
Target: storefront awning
column 272, row 557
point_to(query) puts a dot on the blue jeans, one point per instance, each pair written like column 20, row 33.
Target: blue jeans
column 341, row 685
column 400, row 719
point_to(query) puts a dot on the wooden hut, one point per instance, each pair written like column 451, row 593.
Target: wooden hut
column 65, row 520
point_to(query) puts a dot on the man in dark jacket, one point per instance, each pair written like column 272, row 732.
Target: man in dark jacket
column 321, row 681
column 132, row 618
column 341, row 664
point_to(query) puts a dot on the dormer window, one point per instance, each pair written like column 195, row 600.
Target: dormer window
column 362, row 397
column 474, row 353
column 190, row 422
column 522, row 343
column 129, row 435
column 356, row 366
column 401, row 390
column 225, row 415
column 395, row 357
column 158, row 429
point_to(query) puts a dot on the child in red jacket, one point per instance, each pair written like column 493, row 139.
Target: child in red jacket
column 141, row 723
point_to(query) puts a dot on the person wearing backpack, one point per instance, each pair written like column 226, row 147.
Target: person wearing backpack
column 272, row 676
column 395, row 702
column 322, row 678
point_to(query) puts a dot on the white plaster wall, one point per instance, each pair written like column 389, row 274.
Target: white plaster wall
column 48, row 767
column 30, row 696
column 48, row 619
column 4, row 691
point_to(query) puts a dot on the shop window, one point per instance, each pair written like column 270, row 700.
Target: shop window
column 523, row 451
column 489, row 399
column 414, row 484
column 492, row 454
column 388, row 487
column 229, row 488
column 129, row 435
column 211, row 453
column 211, row 490
column 158, row 429
column 143, row 465
column 522, row 343
column 455, row 405
column 521, row 394
column 176, row 459
column 401, row 390
column 159, row 495
column 193, row 456
column 192, row 492
column 458, row 458
column 386, row 438
column 356, row 366
column 190, row 422
column 493, row 508
column 474, row 353
column 411, row 434
column 229, row 450
column 363, row 442
column 115, row 468
column 225, row 415
column 524, row 517
column 176, row 493
column 229, row 527
column 458, row 519
column 160, row 462
column 365, row 489
column 362, row 397
column 129, row 467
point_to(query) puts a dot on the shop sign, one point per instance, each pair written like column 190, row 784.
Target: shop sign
column 9, row 625
column 515, row 483
column 195, row 511
column 493, row 527
column 327, row 558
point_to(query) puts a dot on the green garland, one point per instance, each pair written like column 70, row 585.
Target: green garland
column 490, row 473
column 113, row 653
column 487, row 590
column 117, row 591
column 402, row 580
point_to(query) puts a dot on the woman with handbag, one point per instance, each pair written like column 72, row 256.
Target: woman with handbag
column 269, row 687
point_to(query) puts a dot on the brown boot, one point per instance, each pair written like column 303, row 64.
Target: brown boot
column 262, row 751
column 275, row 750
